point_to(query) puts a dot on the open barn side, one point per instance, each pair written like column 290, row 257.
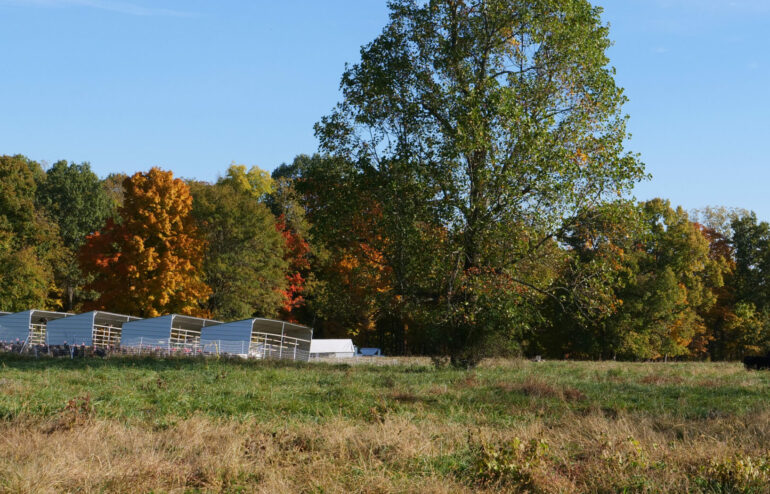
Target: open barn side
column 259, row 338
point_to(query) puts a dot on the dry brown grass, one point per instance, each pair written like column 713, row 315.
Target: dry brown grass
column 213, row 456
column 661, row 380
column 174, row 426
column 589, row 453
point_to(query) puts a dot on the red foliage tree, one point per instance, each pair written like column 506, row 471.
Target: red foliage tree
column 297, row 251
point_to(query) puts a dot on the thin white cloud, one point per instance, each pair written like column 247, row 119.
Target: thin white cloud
column 110, row 5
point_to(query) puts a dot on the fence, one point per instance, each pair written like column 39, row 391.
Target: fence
column 36, row 334
column 106, row 336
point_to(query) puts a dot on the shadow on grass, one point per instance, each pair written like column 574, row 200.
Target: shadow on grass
column 160, row 363
column 22, row 362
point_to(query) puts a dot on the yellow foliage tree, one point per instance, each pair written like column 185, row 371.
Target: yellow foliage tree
column 254, row 180
column 150, row 264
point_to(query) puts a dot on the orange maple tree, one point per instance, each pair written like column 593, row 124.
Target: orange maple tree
column 150, row 263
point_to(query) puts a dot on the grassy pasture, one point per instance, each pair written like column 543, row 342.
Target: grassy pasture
column 184, row 425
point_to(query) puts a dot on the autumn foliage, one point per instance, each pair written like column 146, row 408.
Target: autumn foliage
column 297, row 251
column 627, row 280
column 149, row 263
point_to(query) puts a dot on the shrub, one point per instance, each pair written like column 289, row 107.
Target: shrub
column 740, row 473
column 510, row 464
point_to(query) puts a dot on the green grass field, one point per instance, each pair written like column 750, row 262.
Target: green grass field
column 181, row 425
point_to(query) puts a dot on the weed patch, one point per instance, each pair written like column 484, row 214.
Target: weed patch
column 76, row 412
column 739, row 473
column 511, row 464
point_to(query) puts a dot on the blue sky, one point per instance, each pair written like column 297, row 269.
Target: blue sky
column 194, row 85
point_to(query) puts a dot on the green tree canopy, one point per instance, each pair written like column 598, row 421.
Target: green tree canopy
column 113, row 187
column 640, row 284
column 488, row 121
column 244, row 262
column 751, row 241
column 29, row 240
column 74, row 197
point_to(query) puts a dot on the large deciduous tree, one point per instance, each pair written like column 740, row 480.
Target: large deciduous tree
column 74, row 197
column 244, row 262
column 286, row 204
column 475, row 128
column 29, row 242
column 725, row 320
column 151, row 262
column 640, row 284
column 743, row 327
column 751, row 241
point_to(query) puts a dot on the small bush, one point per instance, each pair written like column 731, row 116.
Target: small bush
column 740, row 473
column 625, row 455
column 511, row 464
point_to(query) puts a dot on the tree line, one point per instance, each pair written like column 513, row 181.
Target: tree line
column 469, row 198
column 147, row 244
column 629, row 280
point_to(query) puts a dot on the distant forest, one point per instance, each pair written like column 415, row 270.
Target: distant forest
column 470, row 198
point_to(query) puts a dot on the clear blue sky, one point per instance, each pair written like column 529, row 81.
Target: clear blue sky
column 194, row 85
